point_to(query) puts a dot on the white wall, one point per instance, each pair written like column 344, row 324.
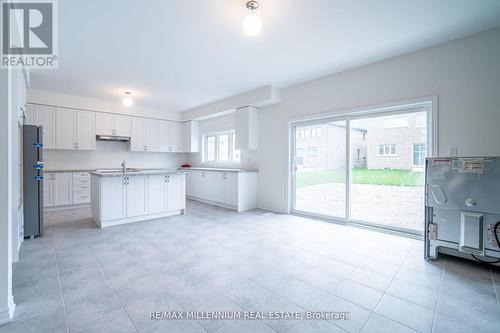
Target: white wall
column 107, row 154
column 224, row 123
column 465, row 74
column 110, row 155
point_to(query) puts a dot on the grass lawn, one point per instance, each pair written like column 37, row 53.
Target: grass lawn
column 362, row 176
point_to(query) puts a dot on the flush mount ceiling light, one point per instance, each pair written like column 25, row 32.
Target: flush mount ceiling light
column 252, row 24
column 127, row 100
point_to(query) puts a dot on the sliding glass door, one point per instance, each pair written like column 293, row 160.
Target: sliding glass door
column 320, row 168
column 363, row 168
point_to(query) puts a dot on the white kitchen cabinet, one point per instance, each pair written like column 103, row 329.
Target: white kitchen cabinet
column 118, row 200
column 75, row 129
column 157, row 194
column 113, row 198
column 62, row 189
column 57, row 189
column 176, row 198
column 192, row 137
column 81, row 188
column 144, row 134
column 123, row 125
column 231, row 189
column 171, row 136
column 136, row 196
column 247, row 130
column 85, row 130
column 113, row 124
column 45, row 116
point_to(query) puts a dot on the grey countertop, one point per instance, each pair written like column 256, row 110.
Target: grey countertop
column 219, row 169
column 68, row 170
column 140, row 172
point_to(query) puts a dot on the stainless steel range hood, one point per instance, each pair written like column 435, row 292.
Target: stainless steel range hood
column 112, row 138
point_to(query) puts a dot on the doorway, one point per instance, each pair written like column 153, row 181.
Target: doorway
column 363, row 167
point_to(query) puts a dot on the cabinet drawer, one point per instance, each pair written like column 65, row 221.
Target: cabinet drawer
column 81, row 181
column 81, row 197
column 81, row 187
column 81, row 175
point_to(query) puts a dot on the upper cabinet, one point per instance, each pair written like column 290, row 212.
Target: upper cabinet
column 45, row 116
column 192, row 137
column 144, row 134
column 113, row 124
column 171, row 137
column 247, row 128
column 75, row 129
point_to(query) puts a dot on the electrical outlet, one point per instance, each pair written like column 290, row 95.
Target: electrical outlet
column 453, row 152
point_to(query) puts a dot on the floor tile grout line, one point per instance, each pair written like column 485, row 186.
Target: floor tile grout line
column 439, row 295
column 111, row 287
column 61, row 291
column 494, row 285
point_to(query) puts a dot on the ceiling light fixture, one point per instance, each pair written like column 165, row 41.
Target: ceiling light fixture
column 127, row 100
column 252, row 24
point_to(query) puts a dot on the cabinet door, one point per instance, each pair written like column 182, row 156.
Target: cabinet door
column 85, row 130
column 65, row 128
column 176, row 137
column 136, row 196
column 152, row 128
column 104, row 124
column 206, row 185
column 191, row 182
column 123, row 125
column 48, row 190
column 137, row 142
column 174, row 192
column 113, row 198
column 218, row 187
column 63, row 189
column 163, row 136
column 230, row 188
column 157, row 202
column 45, row 116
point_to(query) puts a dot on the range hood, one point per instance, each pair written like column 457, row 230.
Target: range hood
column 112, row 138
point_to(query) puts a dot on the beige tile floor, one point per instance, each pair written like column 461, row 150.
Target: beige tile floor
column 78, row 278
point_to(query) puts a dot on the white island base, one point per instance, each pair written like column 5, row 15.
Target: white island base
column 119, row 199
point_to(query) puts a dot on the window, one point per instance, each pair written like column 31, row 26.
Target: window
column 419, row 152
column 420, row 120
column 358, row 154
column 220, row 147
column 387, row 150
column 313, row 151
column 316, row 131
column 396, row 122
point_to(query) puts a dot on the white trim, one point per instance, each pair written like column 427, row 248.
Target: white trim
column 7, row 314
column 109, row 223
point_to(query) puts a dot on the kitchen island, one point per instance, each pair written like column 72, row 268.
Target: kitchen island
column 136, row 195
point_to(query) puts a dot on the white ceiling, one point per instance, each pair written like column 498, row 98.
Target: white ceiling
column 178, row 54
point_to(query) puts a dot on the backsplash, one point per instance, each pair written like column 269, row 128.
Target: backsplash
column 110, row 155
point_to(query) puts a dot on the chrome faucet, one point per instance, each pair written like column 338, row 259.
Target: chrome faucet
column 124, row 167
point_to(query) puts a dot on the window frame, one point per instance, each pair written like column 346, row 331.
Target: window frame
column 216, row 136
column 387, row 145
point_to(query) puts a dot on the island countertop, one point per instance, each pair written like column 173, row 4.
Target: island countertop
column 135, row 172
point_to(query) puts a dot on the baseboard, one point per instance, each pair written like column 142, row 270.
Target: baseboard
column 213, row 203
column 6, row 314
column 110, row 223
column 56, row 208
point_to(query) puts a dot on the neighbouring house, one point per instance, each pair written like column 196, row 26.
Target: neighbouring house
column 392, row 142
column 322, row 147
column 397, row 142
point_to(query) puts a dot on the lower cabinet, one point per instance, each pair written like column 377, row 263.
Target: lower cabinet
column 230, row 189
column 124, row 199
column 66, row 188
column 57, row 189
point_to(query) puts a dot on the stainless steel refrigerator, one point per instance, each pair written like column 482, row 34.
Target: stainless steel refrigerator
column 33, row 180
